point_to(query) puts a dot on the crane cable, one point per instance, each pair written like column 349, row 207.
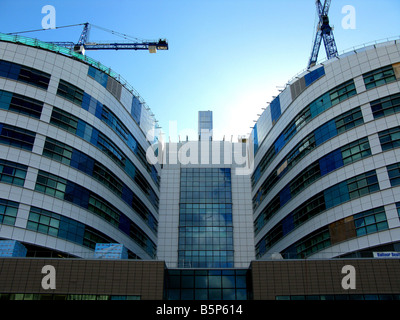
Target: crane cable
column 72, row 25
column 123, row 35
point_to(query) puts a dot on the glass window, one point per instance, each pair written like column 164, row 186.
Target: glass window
column 53, row 224
column 103, row 209
column 336, row 194
column 111, row 149
column 355, row 150
column 98, row 75
column 324, row 102
column 21, row 104
column 330, row 162
column 394, row 174
column 320, row 105
column 386, row 106
column 70, row 92
column 390, row 138
column 205, row 232
column 314, row 75
column 370, row 221
column 275, row 107
column 107, row 177
column 11, row 172
column 342, row 92
column 43, row 221
column 91, row 105
column 304, row 179
column 348, row 120
column 362, row 184
column 314, row 242
column 8, row 211
column 379, row 77
column 325, row 132
column 57, row 150
column 25, row 74
column 206, row 284
column 64, row 120
column 93, row 236
column 17, row 137
column 51, row 184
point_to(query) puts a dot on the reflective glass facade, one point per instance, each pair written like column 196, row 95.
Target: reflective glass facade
column 205, row 218
column 197, row 284
column 205, row 124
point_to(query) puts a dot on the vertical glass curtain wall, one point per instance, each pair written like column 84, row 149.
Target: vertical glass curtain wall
column 205, row 220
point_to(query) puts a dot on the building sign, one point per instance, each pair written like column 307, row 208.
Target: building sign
column 386, row 254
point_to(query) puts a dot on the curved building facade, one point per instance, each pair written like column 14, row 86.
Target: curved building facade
column 327, row 165
column 73, row 155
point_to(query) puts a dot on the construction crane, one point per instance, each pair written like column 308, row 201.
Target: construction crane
column 324, row 31
column 83, row 43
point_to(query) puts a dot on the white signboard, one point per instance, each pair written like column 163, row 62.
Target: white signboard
column 386, row 254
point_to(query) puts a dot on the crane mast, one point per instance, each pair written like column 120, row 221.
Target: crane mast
column 324, row 32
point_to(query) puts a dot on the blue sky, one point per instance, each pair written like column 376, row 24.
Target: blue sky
column 228, row 56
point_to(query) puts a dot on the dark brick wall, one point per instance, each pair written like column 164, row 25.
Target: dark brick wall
column 75, row 276
column 146, row 278
column 319, row 277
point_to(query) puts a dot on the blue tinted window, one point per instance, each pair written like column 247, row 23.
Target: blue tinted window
column 77, row 194
column 136, row 109
column 331, row 162
column 336, row 194
column 98, row 75
column 284, row 195
column 82, row 162
column 314, row 75
column 279, row 143
column 124, row 223
column 370, row 221
column 5, row 99
column 275, row 109
column 255, row 138
column 390, row 138
column 325, row 132
column 287, row 224
column 320, row 105
column 9, row 70
column 25, row 74
column 89, row 103
column 127, row 195
column 71, row 230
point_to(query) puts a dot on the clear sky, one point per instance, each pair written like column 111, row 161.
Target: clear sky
column 228, row 56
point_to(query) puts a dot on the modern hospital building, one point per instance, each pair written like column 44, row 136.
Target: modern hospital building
column 280, row 214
